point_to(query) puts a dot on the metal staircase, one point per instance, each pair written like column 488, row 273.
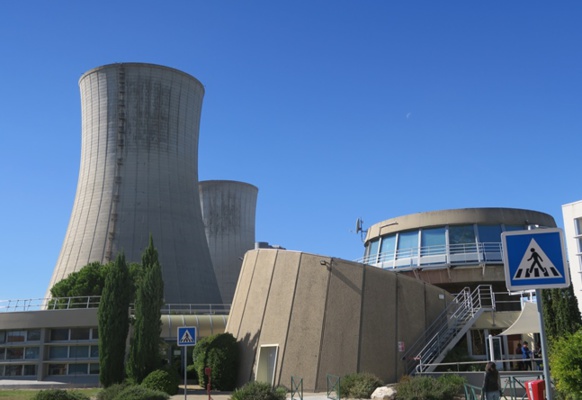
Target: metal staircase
column 448, row 329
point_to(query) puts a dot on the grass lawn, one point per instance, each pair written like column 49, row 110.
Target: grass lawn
column 26, row 394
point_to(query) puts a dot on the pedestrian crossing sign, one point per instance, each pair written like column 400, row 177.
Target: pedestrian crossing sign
column 186, row 335
column 535, row 259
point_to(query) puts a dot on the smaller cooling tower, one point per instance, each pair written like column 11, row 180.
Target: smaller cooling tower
column 228, row 212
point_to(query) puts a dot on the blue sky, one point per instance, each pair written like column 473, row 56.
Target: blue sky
column 334, row 109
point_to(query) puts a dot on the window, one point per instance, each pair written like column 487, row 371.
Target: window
column 15, row 336
column 94, row 352
column 95, row 333
column 15, row 353
column 94, row 369
column 79, row 352
column 58, row 352
column 57, row 369
column 31, row 353
column 33, row 335
column 462, row 239
column 30, row 370
column 433, row 241
column 13, row 370
column 2, row 336
column 489, row 233
column 578, row 222
column 388, row 248
column 2, row 353
column 59, row 334
column 373, row 250
column 407, row 244
column 513, row 228
column 78, row 369
column 80, row 333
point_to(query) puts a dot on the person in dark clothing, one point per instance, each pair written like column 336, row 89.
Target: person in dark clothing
column 492, row 382
column 526, row 356
column 518, row 364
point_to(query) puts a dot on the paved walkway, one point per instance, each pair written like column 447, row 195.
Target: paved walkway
column 195, row 392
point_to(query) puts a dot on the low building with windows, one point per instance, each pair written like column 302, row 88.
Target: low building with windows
column 62, row 345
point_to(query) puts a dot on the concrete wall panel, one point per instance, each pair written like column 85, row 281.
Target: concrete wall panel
column 379, row 324
column 254, row 311
column 305, row 329
column 242, row 292
column 341, row 332
column 276, row 323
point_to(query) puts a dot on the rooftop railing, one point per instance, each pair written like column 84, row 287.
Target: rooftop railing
column 84, row 302
column 438, row 256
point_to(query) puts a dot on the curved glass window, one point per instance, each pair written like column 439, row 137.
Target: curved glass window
column 373, row 250
column 407, row 244
column 489, row 233
column 462, row 239
column 388, row 248
column 433, row 241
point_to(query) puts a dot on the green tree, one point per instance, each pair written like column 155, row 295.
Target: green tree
column 144, row 355
column 88, row 281
column 113, row 320
column 561, row 313
column 566, row 363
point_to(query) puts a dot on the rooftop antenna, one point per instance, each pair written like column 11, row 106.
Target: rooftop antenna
column 360, row 229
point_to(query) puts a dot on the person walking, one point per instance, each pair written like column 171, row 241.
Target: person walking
column 491, row 383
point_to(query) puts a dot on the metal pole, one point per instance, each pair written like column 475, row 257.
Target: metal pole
column 185, row 355
column 545, row 360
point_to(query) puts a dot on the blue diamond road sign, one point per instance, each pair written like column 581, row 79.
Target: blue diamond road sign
column 186, row 335
column 535, row 259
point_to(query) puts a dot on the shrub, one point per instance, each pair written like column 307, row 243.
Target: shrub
column 359, row 385
column 163, row 380
column 259, row 391
column 427, row 388
column 111, row 392
column 59, row 394
column 191, row 373
column 136, row 392
column 220, row 353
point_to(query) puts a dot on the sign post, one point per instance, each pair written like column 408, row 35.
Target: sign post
column 186, row 337
column 536, row 259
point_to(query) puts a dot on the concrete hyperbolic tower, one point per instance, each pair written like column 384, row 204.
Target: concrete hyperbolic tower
column 228, row 210
column 139, row 176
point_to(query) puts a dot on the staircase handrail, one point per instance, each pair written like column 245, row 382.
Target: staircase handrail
column 464, row 307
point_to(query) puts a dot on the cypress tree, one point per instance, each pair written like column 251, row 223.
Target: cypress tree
column 561, row 313
column 144, row 356
column 113, row 322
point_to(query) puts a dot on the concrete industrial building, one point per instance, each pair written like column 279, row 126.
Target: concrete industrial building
column 572, row 214
column 139, row 177
column 228, row 212
column 305, row 315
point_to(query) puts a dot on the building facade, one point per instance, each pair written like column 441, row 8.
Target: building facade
column 572, row 213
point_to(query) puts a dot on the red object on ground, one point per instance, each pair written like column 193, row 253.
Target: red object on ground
column 536, row 390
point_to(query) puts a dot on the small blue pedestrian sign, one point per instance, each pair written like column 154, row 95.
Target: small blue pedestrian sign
column 186, row 335
column 535, row 259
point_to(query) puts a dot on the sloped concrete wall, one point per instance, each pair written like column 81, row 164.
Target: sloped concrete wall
column 327, row 316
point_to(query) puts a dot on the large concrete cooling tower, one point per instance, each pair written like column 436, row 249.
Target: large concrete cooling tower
column 228, row 209
column 139, row 176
